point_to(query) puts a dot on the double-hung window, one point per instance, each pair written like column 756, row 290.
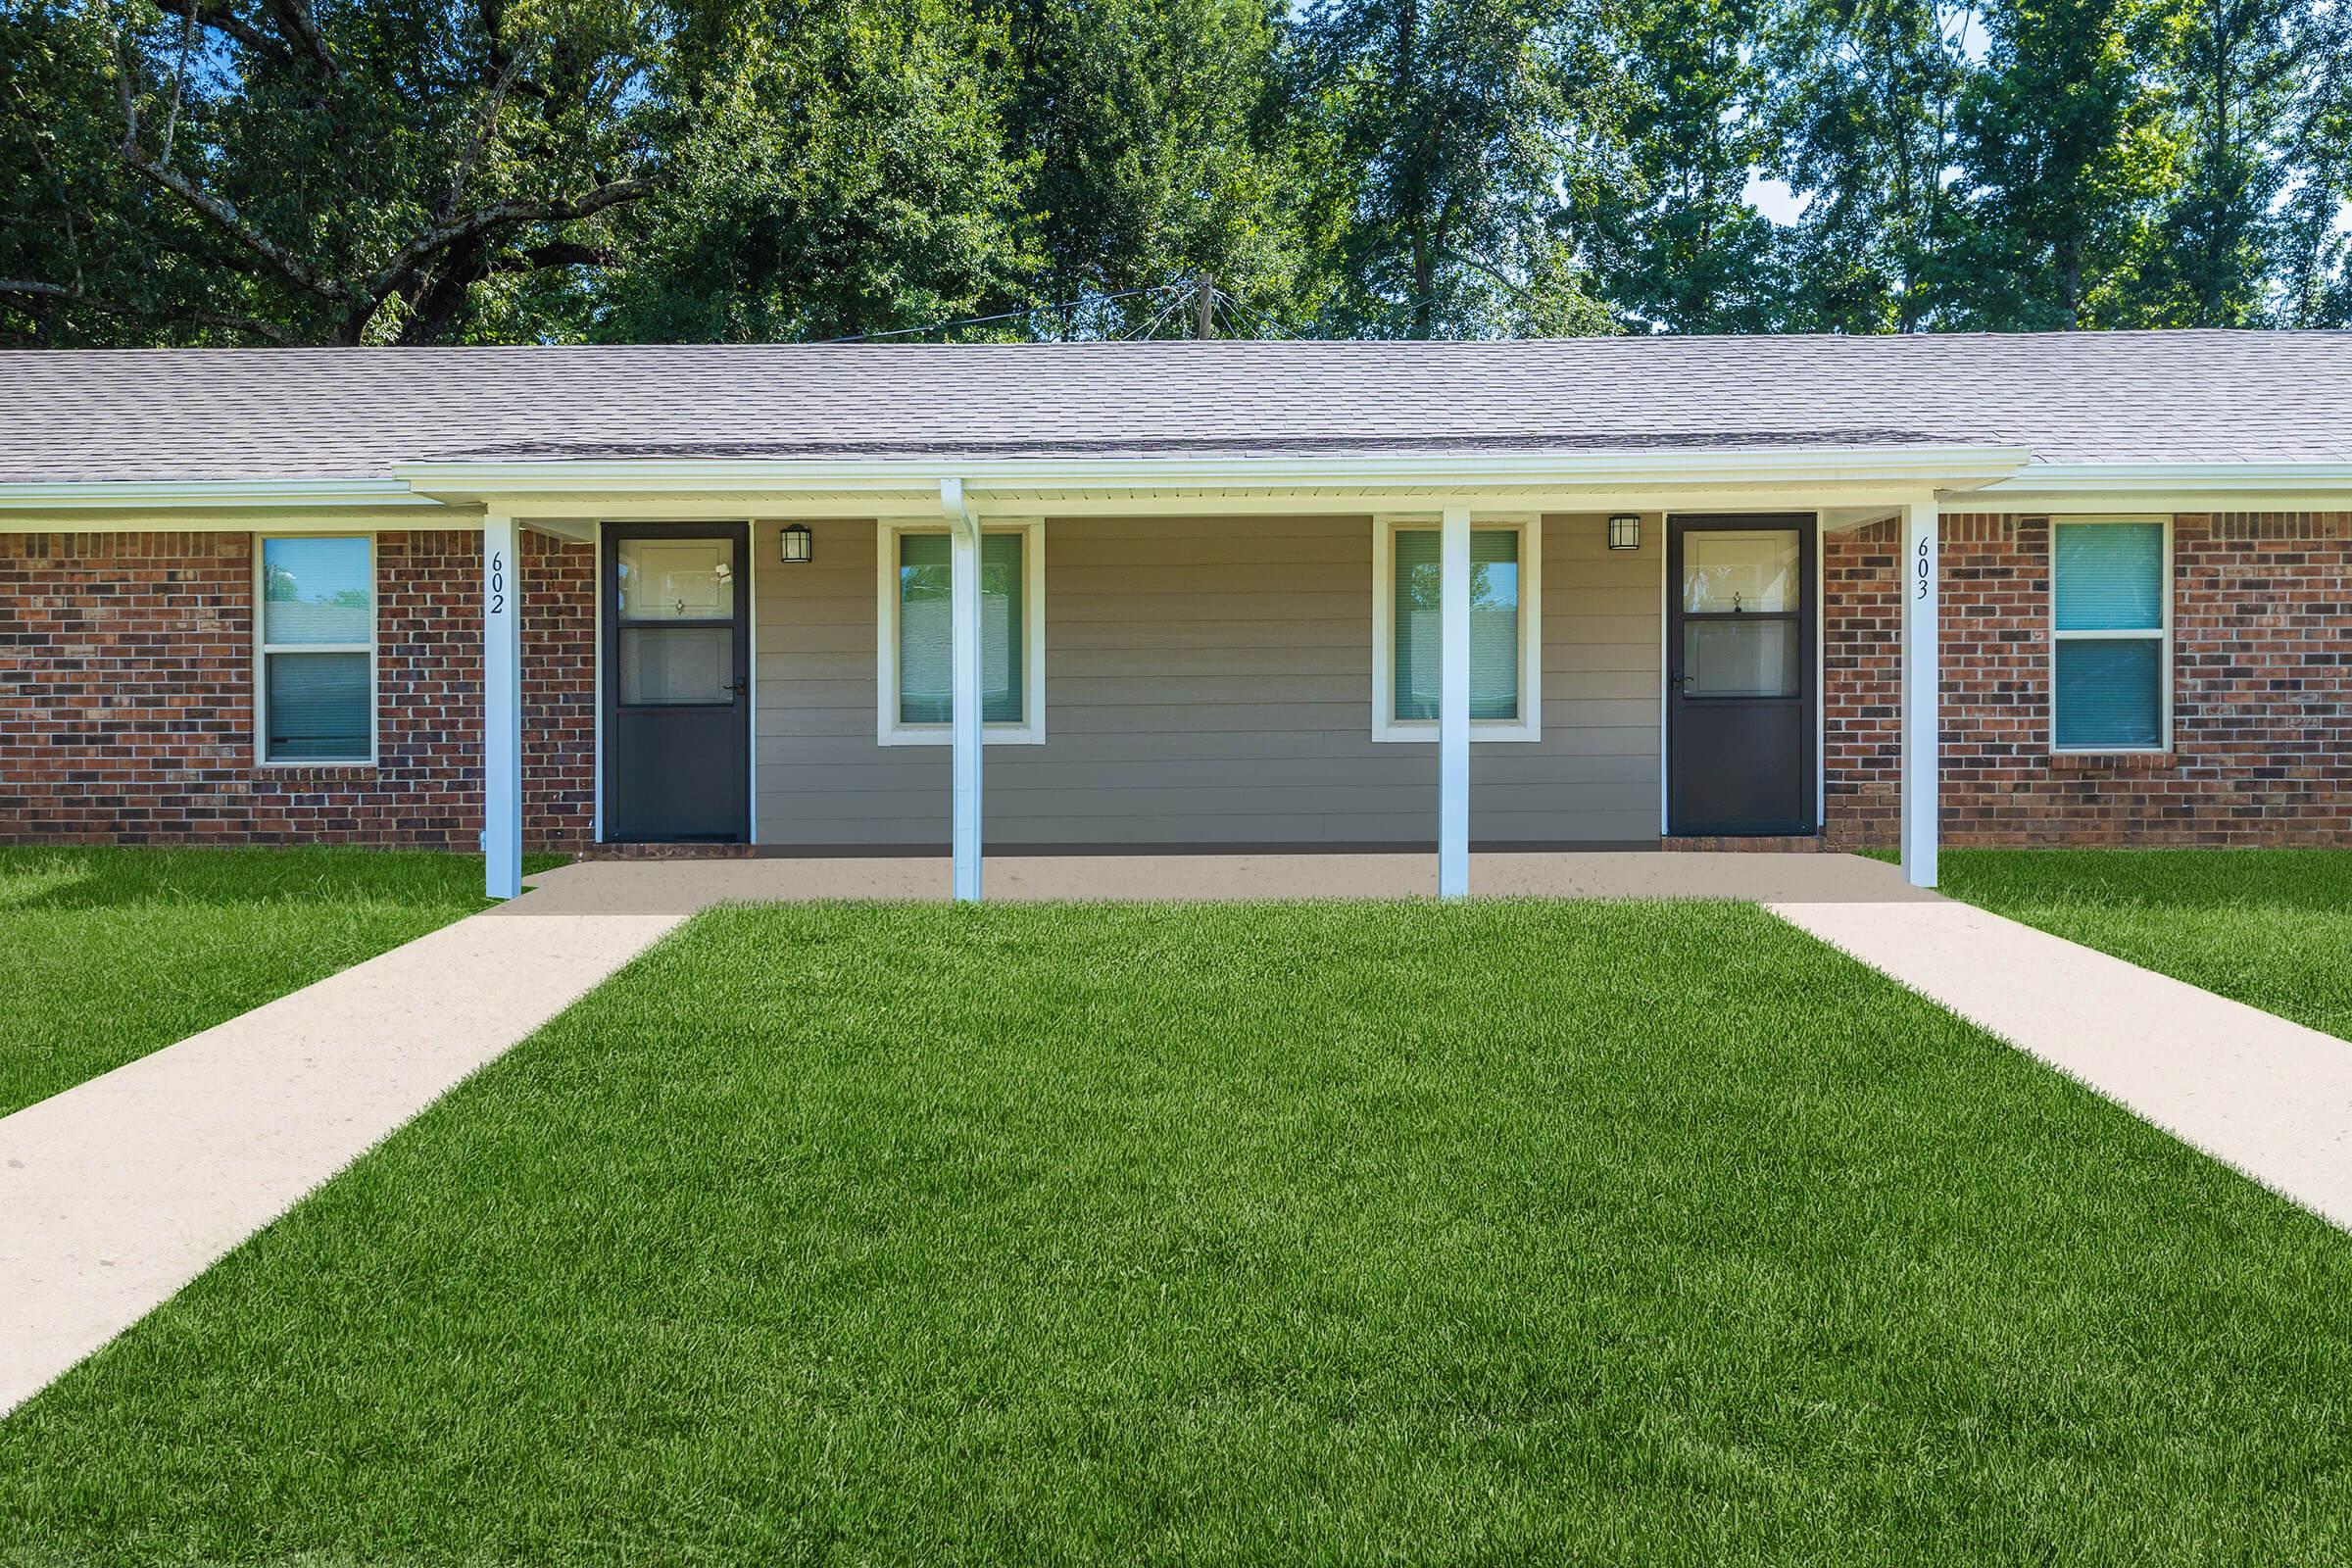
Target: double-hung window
column 916, row 618
column 1408, row 637
column 2110, row 634
column 314, row 656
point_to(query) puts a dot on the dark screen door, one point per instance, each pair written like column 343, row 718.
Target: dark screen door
column 677, row 704
column 1739, row 687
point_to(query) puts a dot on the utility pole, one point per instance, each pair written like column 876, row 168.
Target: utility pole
column 1205, row 307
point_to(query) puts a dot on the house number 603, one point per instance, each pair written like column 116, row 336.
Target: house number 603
column 1923, row 569
column 498, row 585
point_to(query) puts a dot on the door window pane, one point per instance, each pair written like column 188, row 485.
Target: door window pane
column 677, row 580
column 315, row 591
column 1740, row 658
column 1751, row 570
column 2110, row 576
column 2110, row 693
column 317, row 707
column 926, row 628
column 673, row 665
column 1494, row 624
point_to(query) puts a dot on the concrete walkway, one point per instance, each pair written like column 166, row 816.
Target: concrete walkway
column 683, row 886
column 2269, row 1097
column 118, row 1192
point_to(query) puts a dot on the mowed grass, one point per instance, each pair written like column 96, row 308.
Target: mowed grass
column 2272, row 928
column 109, row 954
column 1498, row 1233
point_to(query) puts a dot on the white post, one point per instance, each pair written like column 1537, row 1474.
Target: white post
column 502, row 706
column 1922, row 695
column 963, row 683
column 1453, row 704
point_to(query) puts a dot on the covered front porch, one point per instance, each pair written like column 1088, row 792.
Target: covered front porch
column 1153, row 612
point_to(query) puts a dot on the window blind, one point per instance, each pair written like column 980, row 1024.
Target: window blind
column 2107, row 691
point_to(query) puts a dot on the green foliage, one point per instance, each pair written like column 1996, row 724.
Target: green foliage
column 457, row 170
column 2065, row 152
column 1156, row 134
column 1677, row 246
column 846, row 175
column 1463, row 131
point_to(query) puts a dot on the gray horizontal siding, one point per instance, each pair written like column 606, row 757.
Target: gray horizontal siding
column 1207, row 681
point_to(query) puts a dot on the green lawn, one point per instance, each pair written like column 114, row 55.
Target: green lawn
column 109, row 954
column 1495, row 1233
column 2272, row 928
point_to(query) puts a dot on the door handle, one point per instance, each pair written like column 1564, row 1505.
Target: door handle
column 742, row 685
column 1681, row 681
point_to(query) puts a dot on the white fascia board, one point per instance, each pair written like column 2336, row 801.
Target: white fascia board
column 1919, row 466
column 2173, row 487
column 242, row 494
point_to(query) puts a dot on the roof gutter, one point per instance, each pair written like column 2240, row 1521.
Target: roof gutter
column 167, row 494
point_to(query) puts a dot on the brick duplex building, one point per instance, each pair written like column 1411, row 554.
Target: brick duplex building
column 1972, row 590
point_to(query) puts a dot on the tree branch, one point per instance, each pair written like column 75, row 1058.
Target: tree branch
column 216, row 15
column 499, row 214
column 32, row 289
column 218, row 213
column 301, row 31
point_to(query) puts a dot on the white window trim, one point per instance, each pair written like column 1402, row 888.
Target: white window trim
column 1529, row 726
column 1030, row 730
column 2163, row 635
column 261, row 650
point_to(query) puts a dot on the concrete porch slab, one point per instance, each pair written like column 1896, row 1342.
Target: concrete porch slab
column 682, row 886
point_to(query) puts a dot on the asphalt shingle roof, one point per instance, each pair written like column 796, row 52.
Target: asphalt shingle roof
column 328, row 413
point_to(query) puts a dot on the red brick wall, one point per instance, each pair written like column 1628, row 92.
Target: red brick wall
column 126, row 696
column 2262, row 691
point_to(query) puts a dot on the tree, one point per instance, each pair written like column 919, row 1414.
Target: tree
column 2233, row 68
column 1463, row 134
column 2064, row 153
column 1155, row 133
column 1676, row 246
column 847, row 174
column 326, row 174
column 2317, row 282
column 1863, row 106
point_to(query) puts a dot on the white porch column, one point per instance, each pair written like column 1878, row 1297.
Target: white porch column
column 1922, row 692
column 1453, row 704
column 502, row 705
column 963, row 683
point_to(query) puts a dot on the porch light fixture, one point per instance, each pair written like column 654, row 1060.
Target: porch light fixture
column 796, row 544
column 1625, row 531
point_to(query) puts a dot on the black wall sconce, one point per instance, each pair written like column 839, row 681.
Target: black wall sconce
column 1625, row 531
column 798, row 546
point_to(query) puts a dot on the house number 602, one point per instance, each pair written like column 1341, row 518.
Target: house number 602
column 1923, row 569
column 498, row 585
